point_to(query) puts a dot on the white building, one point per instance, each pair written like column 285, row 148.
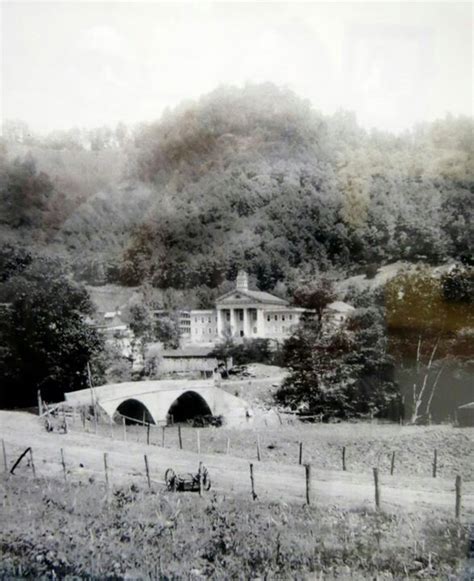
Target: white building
column 243, row 313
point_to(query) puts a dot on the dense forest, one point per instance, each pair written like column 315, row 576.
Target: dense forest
column 252, row 178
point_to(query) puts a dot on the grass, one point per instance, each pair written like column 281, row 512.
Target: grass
column 53, row 530
column 367, row 445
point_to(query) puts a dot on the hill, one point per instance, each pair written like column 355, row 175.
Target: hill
column 252, row 178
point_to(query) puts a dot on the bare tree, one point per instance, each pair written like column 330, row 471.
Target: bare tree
column 425, row 383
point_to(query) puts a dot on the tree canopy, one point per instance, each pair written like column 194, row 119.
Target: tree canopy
column 250, row 178
column 45, row 340
column 341, row 373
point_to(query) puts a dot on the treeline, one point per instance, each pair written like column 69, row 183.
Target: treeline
column 243, row 178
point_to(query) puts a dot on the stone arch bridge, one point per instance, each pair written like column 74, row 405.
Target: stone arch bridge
column 157, row 400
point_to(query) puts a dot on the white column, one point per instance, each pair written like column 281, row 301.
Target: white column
column 232, row 322
column 260, row 324
column 246, row 326
column 219, row 323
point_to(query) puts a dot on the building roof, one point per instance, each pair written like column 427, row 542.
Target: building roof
column 188, row 351
column 112, row 314
column 254, row 296
column 340, row 307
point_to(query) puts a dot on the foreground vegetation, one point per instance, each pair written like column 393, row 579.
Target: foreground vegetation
column 55, row 530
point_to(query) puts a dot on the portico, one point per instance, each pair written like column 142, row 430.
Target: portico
column 244, row 314
column 240, row 321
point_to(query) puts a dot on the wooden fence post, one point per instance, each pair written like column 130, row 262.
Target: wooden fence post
column 458, row 496
column 148, row 434
column 392, row 464
column 344, row 458
column 63, row 463
column 112, row 428
column 259, row 456
column 32, row 463
column 4, row 451
column 308, row 483
column 300, row 460
column 40, row 403
column 106, row 470
column 124, row 427
column 65, row 424
column 180, row 438
column 163, row 436
column 200, row 478
column 377, row 488
column 435, row 463
column 147, row 468
column 252, row 482
column 198, row 441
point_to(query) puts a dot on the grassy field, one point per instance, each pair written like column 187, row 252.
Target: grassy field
column 55, row 530
column 367, row 445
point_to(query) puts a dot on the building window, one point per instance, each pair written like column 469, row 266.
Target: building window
column 195, row 319
column 241, row 315
column 255, row 330
column 276, row 317
column 268, row 317
column 291, row 317
column 283, row 317
column 227, row 316
column 210, row 330
column 241, row 333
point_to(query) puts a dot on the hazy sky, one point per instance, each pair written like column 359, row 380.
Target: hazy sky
column 88, row 64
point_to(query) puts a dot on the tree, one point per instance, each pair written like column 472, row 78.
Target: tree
column 140, row 319
column 458, row 285
column 166, row 330
column 315, row 296
column 342, row 374
column 45, row 340
column 317, row 378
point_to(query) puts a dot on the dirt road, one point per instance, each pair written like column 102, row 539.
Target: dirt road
column 281, row 482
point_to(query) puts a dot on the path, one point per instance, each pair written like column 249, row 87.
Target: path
column 280, row 482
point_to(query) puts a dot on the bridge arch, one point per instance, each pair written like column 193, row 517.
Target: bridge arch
column 189, row 405
column 135, row 412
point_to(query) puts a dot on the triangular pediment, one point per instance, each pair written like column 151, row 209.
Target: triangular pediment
column 245, row 297
column 235, row 296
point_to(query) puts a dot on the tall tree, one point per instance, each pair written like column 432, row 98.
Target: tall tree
column 45, row 339
column 342, row 374
column 315, row 296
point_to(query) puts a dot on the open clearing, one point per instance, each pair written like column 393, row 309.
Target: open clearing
column 53, row 529
column 276, row 480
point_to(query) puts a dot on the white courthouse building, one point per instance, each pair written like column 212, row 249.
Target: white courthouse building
column 244, row 314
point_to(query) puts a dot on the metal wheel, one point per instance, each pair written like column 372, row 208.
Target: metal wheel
column 171, row 480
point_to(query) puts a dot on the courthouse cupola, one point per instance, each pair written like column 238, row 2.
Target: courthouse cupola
column 242, row 281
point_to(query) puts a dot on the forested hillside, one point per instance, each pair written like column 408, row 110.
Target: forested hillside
column 252, row 178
